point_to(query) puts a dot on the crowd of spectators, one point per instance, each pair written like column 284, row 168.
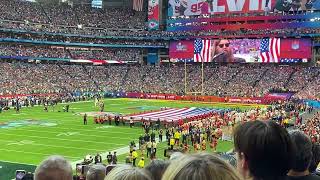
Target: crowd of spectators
column 311, row 127
column 32, row 51
column 31, row 78
column 222, row 80
column 23, row 50
column 84, row 20
column 75, row 39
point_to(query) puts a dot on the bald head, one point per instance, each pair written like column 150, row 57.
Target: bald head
column 54, row 168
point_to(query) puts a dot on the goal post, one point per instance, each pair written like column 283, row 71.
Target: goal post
column 186, row 81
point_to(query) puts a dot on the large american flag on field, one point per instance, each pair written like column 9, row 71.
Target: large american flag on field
column 138, row 5
column 202, row 50
column 173, row 114
column 270, row 50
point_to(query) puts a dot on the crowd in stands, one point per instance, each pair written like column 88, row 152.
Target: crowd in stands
column 235, row 80
column 32, row 51
column 24, row 78
column 311, row 127
column 84, row 20
column 75, row 39
column 69, row 52
column 64, row 14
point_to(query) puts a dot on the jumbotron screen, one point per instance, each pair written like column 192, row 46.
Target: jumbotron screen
column 201, row 7
column 265, row 50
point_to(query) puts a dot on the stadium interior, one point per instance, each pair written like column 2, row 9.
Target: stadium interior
column 159, row 89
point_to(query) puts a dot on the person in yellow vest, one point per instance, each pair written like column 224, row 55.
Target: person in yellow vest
column 286, row 122
column 172, row 141
column 141, row 163
column 134, row 157
column 177, row 136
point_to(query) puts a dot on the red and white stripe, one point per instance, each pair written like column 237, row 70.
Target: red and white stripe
column 138, row 5
column 205, row 54
column 273, row 55
column 171, row 114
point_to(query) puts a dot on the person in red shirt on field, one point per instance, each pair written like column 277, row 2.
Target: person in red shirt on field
column 196, row 147
column 204, row 145
column 186, row 147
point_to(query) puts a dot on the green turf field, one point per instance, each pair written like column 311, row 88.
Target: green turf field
column 31, row 135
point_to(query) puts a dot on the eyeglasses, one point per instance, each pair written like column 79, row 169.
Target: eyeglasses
column 226, row 45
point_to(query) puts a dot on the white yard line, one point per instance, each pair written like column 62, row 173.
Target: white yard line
column 55, row 146
column 34, row 153
column 106, row 128
column 80, row 134
column 13, row 162
column 62, row 139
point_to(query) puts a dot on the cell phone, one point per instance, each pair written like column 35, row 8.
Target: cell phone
column 78, row 169
column 20, row 174
column 109, row 168
column 82, row 169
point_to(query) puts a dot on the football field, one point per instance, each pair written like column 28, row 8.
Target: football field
column 28, row 137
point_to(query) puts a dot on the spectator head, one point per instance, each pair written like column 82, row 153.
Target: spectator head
column 54, row 168
column 315, row 157
column 126, row 172
column 200, row 166
column 96, row 172
column 157, row 168
column 303, row 155
column 264, row 150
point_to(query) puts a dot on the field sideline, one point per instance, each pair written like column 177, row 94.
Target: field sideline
column 31, row 135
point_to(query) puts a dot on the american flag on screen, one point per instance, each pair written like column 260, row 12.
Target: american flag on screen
column 270, row 50
column 138, row 5
column 202, row 50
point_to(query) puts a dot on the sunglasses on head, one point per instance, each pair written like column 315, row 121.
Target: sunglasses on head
column 226, row 45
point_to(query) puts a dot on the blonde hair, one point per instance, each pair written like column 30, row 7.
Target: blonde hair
column 202, row 166
column 126, row 172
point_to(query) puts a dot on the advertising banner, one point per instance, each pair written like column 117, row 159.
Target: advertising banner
column 205, row 7
column 278, row 96
column 246, row 100
column 153, row 15
column 253, row 100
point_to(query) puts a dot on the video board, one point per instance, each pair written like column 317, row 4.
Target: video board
column 265, row 50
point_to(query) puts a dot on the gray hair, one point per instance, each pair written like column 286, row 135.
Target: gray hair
column 54, row 168
column 126, row 172
column 96, row 172
column 175, row 155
